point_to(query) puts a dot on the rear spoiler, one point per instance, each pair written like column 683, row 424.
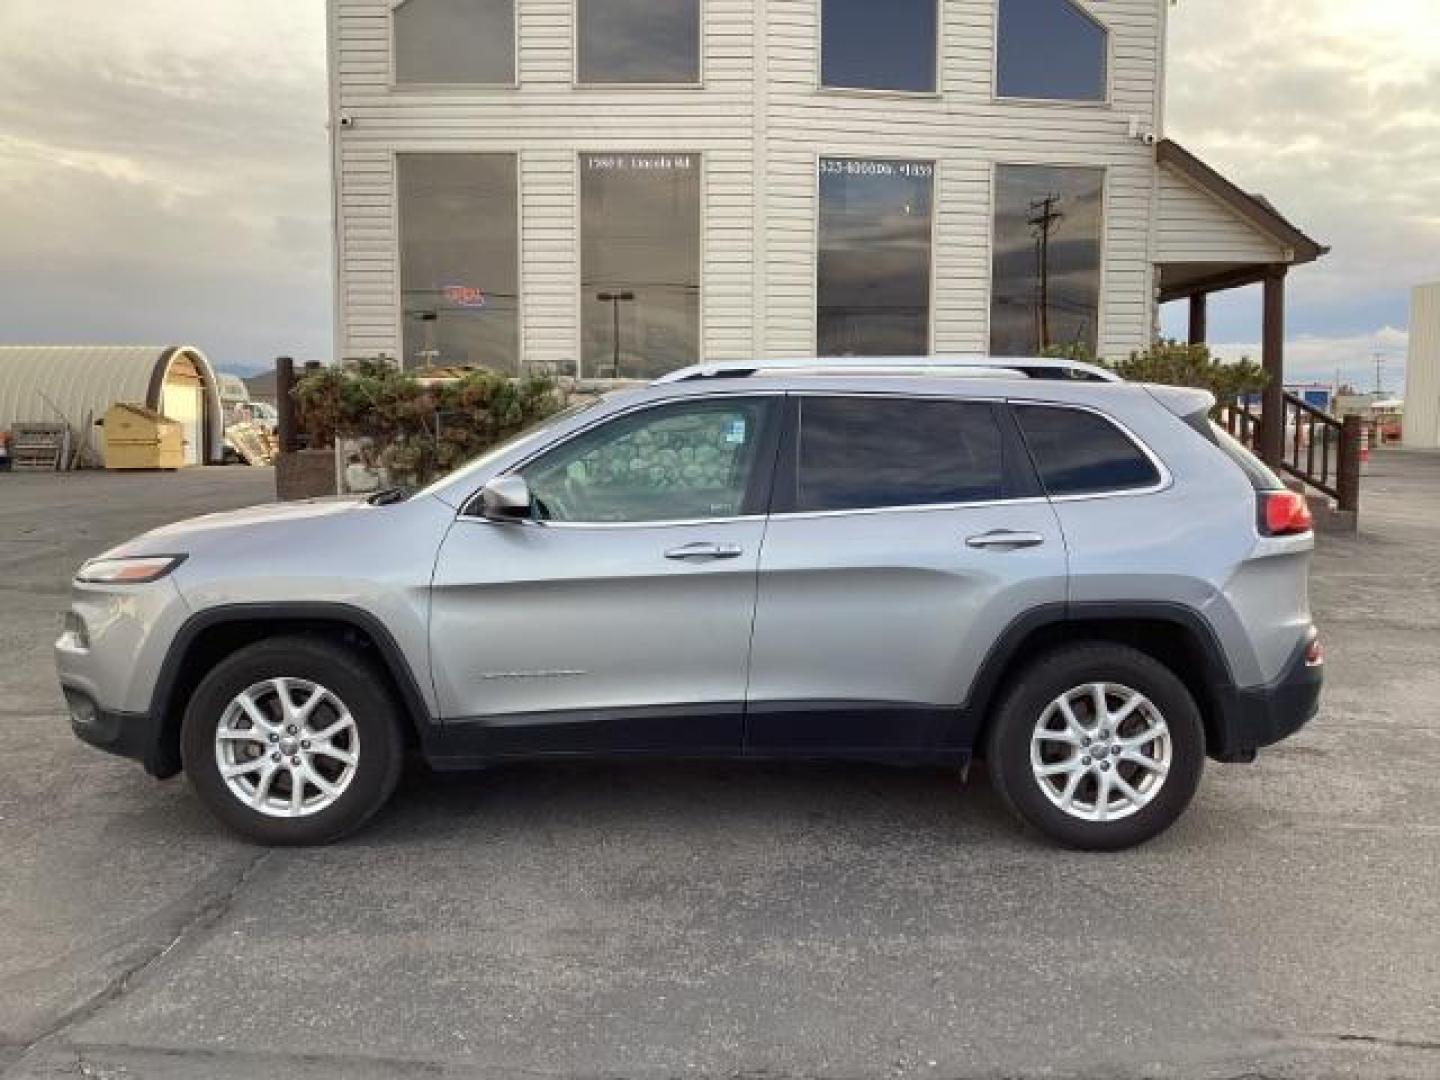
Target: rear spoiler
column 1183, row 401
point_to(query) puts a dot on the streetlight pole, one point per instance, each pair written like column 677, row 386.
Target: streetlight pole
column 615, row 299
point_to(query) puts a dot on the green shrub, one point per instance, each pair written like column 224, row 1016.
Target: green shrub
column 1175, row 363
column 420, row 432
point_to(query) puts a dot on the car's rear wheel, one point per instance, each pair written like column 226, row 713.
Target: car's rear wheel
column 292, row 741
column 1098, row 746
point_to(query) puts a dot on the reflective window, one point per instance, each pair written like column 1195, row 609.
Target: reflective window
column 684, row 462
column 878, row 45
column 873, row 266
column 639, row 263
column 1080, row 453
column 638, row 41
column 1046, row 288
column 459, row 260
column 1050, row 49
column 862, row 453
column 455, row 41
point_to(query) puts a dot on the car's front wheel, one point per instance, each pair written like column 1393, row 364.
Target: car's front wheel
column 1098, row 746
column 292, row 741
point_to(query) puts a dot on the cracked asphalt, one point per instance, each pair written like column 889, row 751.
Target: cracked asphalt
column 691, row 920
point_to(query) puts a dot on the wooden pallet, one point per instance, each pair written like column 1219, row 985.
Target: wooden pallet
column 39, row 447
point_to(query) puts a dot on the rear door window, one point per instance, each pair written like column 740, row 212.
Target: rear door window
column 858, row 453
column 1078, row 452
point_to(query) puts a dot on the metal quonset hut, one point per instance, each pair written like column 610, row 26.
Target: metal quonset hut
column 53, row 382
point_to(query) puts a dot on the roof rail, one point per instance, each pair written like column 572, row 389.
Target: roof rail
column 1036, row 368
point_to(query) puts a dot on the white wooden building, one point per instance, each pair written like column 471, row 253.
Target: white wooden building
column 1422, row 372
column 598, row 184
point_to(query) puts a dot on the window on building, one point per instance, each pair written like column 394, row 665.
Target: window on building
column 459, row 260
column 1081, row 453
column 865, row 45
column 1052, row 50
column 638, row 41
column 639, row 263
column 873, row 268
column 874, row 452
column 686, row 462
column 1046, row 276
column 455, row 42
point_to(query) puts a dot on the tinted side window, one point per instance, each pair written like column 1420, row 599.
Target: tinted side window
column 688, row 461
column 1080, row 453
column 861, row 453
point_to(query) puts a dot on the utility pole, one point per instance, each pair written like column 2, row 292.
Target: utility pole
column 1043, row 221
column 1379, row 375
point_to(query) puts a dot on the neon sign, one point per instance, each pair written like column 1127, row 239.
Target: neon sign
column 464, row 296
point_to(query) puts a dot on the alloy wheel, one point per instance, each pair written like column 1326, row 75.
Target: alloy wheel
column 1101, row 752
column 287, row 747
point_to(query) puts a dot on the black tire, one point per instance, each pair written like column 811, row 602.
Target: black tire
column 353, row 682
column 1025, row 701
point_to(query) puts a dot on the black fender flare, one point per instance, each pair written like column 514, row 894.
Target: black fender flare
column 162, row 761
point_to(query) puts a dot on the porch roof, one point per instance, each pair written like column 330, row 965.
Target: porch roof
column 1212, row 235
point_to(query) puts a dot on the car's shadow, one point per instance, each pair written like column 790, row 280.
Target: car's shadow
column 615, row 795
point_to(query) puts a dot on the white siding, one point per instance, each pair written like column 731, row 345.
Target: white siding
column 760, row 123
column 1422, row 372
column 1194, row 227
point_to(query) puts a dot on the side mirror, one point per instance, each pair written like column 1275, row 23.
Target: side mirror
column 507, row 498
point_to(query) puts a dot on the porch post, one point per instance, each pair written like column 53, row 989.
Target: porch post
column 1199, row 329
column 1272, row 426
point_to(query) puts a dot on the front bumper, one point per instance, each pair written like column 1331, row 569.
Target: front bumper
column 1249, row 718
column 130, row 735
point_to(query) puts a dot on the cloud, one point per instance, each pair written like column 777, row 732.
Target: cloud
column 1331, row 108
column 1309, row 358
column 164, row 175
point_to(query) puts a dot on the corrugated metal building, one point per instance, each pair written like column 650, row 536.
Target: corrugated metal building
column 1422, row 371
column 52, row 383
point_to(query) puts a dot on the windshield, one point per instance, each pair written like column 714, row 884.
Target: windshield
column 530, row 434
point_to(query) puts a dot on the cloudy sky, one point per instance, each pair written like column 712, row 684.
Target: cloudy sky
column 164, row 174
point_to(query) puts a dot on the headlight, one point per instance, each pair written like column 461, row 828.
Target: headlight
column 134, row 571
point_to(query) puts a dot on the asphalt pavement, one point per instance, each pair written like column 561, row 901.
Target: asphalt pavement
column 702, row 920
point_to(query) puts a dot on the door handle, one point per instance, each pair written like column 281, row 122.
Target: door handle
column 1005, row 538
column 702, row 552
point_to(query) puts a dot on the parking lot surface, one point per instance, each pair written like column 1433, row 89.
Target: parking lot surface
column 700, row 920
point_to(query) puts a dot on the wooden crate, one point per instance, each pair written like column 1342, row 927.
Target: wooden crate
column 36, row 447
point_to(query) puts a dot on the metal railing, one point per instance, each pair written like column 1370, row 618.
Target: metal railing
column 1320, row 450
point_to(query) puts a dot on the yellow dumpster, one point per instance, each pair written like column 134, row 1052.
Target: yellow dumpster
column 137, row 437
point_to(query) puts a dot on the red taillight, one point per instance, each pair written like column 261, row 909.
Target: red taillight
column 1314, row 654
column 1285, row 513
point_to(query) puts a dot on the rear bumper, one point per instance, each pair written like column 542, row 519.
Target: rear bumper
column 1253, row 717
column 130, row 735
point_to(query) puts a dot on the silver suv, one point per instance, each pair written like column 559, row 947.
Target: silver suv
column 1080, row 580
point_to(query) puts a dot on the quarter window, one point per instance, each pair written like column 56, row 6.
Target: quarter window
column 1045, row 292
column 878, row 45
column 638, row 41
column 874, row 452
column 686, row 462
column 639, row 263
column 1080, row 453
column 1050, row 50
column 455, row 42
column 459, row 260
column 873, row 267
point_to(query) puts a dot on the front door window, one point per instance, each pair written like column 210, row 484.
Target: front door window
column 691, row 461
